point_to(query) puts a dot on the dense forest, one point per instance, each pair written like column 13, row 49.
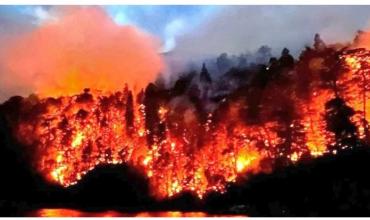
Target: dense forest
column 204, row 137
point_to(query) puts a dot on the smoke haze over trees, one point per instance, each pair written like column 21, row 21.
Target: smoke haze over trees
column 227, row 114
column 200, row 33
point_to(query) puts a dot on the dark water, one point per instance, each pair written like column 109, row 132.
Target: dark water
column 77, row 213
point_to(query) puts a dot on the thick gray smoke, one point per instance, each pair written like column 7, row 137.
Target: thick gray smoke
column 237, row 29
column 230, row 29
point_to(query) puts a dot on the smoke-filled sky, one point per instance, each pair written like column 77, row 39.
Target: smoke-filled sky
column 215, row 29
column 192, row 33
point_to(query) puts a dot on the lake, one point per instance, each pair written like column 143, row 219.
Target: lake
column 78, row 213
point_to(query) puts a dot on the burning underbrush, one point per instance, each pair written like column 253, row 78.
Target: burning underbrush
column 189, row 138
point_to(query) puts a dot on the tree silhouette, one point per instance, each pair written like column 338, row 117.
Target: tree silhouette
column 223, row 63
column 319, row 44
column 338, row 120
column 204, row 75
column 286, row 60
column 263, row 54
column 355, row 87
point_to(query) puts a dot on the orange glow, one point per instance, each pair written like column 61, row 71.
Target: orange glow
column 77, row 140
column 76, row 133
column 244, row 161
column 63, row 57
column 73, row 134
column 317, row 138
column 356, row 88
column 77, row 213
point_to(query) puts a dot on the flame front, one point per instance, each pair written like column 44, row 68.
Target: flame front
column 355, row 86
column 72, row 135
column 175, row 149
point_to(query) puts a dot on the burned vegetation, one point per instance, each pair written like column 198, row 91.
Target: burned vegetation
column 201, row 133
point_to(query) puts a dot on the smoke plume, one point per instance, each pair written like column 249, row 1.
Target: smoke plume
column 79, row 48
column 237, row 29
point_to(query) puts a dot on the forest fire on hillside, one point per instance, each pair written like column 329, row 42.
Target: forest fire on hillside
column 74, row 134
column 188, row 148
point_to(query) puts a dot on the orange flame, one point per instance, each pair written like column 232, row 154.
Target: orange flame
column 73, row 134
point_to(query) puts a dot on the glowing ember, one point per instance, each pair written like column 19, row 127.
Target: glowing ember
column 74, row 134
column 356, row 87
column 179, row 151
column 243, row 162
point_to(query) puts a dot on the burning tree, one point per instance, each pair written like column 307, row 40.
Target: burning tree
column 182, row 140
column 355, row 88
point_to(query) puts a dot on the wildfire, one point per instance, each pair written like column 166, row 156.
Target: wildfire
column 317, row 138
column 77, row 140
column 357, row 94
column 73, row 134
column 243, row 162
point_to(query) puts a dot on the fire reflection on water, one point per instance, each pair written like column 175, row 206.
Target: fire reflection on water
column 77, row 213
